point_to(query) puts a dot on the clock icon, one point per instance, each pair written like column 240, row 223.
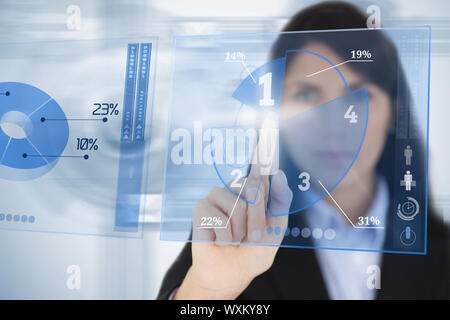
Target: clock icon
column 408, row 209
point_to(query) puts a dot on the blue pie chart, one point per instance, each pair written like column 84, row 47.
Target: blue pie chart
column 317, row 147
column 33, row 132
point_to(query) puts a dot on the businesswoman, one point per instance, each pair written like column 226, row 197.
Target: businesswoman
column 214, row 271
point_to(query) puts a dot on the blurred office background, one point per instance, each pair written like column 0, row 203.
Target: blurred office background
column 114, row 268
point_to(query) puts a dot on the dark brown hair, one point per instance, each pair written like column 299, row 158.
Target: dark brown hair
column 339, row 15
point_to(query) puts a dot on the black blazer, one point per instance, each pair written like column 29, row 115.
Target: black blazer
column 296, row 274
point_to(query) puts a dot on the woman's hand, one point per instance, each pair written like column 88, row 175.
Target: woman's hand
column 223, row 271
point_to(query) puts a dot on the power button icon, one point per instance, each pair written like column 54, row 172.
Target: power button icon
column 408, row 237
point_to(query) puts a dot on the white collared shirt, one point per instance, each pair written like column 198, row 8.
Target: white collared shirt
column 347, row 273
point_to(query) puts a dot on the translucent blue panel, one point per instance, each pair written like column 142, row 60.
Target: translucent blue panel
column 300, row 139
column 74, row 135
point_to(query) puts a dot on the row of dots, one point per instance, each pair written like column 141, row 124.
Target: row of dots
column 317, row 233
column 16, row 218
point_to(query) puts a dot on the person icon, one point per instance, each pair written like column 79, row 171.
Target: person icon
column 408, row 155
column 408, row 181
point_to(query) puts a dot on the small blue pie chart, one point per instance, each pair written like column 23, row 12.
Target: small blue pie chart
column 33, row 132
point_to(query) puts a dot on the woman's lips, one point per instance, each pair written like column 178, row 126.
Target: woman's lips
column 334, row 157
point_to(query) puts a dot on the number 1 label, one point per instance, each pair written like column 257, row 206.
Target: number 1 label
column 266, row 81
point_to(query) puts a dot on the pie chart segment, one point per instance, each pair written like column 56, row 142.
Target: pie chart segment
column 252, row 88
column 4, row 140
column 33, row 131
column 21, row 96
column 55, row 131
column 14, row 156
column 316, row 161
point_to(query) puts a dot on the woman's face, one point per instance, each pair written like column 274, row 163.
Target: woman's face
column 329, row 145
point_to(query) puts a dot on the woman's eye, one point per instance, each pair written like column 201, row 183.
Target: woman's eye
column 305, row 96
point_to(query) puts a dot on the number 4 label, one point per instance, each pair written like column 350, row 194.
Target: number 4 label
column 350, row 114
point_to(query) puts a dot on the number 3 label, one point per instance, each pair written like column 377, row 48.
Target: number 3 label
column 305, row 181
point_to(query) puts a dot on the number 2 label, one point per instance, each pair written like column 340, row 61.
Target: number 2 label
column 238, row 174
